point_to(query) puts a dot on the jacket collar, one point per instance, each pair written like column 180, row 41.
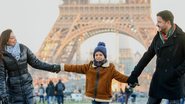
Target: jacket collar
column 176, row 33
column 107, row 64
column 6, row 53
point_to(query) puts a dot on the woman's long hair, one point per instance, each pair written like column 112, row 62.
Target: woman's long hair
column 5, row 35
column 1, row 53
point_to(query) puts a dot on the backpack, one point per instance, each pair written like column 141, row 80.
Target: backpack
column 60, row 87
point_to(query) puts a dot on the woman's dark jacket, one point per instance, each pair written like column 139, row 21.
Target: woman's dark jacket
column 3, row 88
column 19, row 80
column 168, row 78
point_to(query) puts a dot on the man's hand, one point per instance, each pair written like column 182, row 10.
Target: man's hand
column 56, row 68
column 132, row 81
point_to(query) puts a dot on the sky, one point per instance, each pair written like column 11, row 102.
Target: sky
column 32, row 20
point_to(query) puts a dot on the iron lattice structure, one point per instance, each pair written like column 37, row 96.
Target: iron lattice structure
column 79, row 20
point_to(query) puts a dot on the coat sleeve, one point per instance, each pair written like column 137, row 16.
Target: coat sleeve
column 36, row 63
column 146, row 58
column 77, row 68
column 3, row 87
column 119, row 76
column 180, row 71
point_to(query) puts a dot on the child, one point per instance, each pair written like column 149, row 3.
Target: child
column 99, row 74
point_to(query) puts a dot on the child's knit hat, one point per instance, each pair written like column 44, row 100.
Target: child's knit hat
column 101, row 48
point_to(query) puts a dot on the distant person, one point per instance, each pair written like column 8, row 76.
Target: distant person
column 133, row 97
column 122, row 97
column 41, row 92
column 59, row 88
column 16, row 58
column 99, row 74
column 169, row 47
column 128, row 93
column 50, row 92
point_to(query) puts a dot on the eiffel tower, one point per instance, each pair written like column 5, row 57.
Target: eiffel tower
column 79, row 20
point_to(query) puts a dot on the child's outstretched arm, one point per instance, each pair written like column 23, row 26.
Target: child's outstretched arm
column 75, row 68
column 120, row 77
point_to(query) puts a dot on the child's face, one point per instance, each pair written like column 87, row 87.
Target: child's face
column 99, row 56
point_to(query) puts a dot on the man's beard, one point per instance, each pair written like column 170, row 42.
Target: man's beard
column 161, row 29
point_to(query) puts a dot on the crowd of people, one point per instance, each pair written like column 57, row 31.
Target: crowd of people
column 54, row 93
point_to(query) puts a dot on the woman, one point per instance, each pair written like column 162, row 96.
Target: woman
column 16, row 58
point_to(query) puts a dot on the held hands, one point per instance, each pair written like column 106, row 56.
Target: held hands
column 129, row 90
column 132, row 81
column 56, row 68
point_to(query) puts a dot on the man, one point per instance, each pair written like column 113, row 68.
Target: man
column 169, row 47
column 59, row 88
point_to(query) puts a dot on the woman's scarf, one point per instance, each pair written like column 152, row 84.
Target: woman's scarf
column 14, row 50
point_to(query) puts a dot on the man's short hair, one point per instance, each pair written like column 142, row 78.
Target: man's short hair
column 166, row 15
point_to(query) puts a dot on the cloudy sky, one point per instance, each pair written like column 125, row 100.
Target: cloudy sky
column 31, row 20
